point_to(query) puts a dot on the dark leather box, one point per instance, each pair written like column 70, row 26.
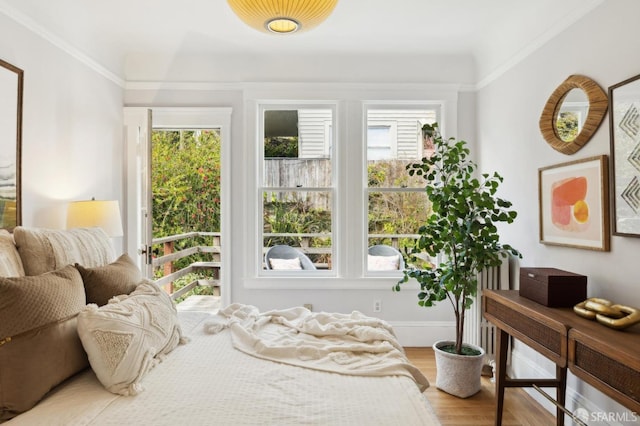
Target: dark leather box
column 553, row 287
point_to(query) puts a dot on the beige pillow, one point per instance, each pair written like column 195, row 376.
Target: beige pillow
column 103, row 282
column 39, row 344
column 43, row 250
column 10, row 262
column 128, row 336
column 285, row 264
column 383, row 263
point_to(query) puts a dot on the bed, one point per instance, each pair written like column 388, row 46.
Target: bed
column 236, row 366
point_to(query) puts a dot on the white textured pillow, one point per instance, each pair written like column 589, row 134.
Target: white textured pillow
column 128, row 336
column 290, row 264
column 44, row 250
column 383, row 263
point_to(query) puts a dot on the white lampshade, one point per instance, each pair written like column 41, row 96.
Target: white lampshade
column 103, row 214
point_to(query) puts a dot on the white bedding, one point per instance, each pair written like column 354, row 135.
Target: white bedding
column 353, row 344
column 208, row 382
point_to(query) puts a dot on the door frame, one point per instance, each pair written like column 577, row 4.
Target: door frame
column 137, row 151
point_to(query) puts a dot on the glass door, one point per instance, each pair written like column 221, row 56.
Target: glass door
column 176, row 192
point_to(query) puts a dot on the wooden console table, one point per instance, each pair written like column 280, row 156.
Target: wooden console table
column 607, row 359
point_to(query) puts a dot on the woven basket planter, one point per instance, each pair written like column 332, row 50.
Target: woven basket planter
column 458, row 375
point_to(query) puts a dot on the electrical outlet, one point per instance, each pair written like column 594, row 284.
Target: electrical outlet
column 377, row 305
column 309, row 306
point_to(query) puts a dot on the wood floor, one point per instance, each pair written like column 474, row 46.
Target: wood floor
column 478, row 410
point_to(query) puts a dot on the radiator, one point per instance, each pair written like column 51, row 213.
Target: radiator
column 477, row 330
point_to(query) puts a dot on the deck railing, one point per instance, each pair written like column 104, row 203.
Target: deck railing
column 170, row 255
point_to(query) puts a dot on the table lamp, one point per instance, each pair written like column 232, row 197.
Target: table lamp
column 89, row 213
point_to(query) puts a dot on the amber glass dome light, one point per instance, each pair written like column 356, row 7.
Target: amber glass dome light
column 282, row 16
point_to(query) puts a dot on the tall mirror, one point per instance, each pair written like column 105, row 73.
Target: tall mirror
column 11, row 82
column 573, row 113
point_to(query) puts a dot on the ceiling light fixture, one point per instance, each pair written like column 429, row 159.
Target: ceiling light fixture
column 282, row 16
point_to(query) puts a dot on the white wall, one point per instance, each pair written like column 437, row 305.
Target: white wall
column 72, row 128
column 238, row 81
column 603, row 46
column 309, row 68
column 349, row 291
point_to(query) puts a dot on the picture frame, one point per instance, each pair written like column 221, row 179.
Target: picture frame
column 574, row 204
column 624, row 128
column 11, row 88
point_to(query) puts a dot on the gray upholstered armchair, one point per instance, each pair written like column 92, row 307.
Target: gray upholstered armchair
column 281, row 257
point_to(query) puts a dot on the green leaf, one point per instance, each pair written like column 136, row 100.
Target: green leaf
column 463, row 224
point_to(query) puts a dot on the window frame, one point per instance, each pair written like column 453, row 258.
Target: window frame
column 261, row 189
column 438, row 107
column 350, row 232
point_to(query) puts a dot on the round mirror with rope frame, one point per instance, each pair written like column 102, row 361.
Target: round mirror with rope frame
column 598, row 104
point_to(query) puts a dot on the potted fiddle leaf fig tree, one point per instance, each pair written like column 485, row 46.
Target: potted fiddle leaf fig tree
column 462, row 232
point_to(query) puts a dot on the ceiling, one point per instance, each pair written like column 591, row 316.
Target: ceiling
column 109, row 33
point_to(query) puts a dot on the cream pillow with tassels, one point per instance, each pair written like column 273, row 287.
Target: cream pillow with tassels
column 128, row 336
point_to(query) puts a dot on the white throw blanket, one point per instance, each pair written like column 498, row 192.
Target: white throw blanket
column 353, row 344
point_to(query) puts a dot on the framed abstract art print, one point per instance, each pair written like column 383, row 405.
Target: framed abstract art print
column 574, row 204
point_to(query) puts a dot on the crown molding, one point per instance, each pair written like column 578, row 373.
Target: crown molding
column 61, row 44
column 266, row 85
column 561, row 25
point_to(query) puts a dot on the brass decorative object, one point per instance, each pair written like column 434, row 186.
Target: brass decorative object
column 607, row 309
column 607, row 313
column 597, row 108
column 632, row 317
column 581, row 308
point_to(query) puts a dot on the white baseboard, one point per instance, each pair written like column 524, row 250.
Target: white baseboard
column 423, row 333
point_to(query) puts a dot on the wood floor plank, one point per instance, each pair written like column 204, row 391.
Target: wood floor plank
column 479, row 410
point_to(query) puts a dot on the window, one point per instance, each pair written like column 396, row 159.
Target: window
column 397, row 203
column 296, row 183
column 382, row 142
column 331, row 183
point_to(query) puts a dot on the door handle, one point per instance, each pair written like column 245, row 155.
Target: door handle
column 146, row 250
